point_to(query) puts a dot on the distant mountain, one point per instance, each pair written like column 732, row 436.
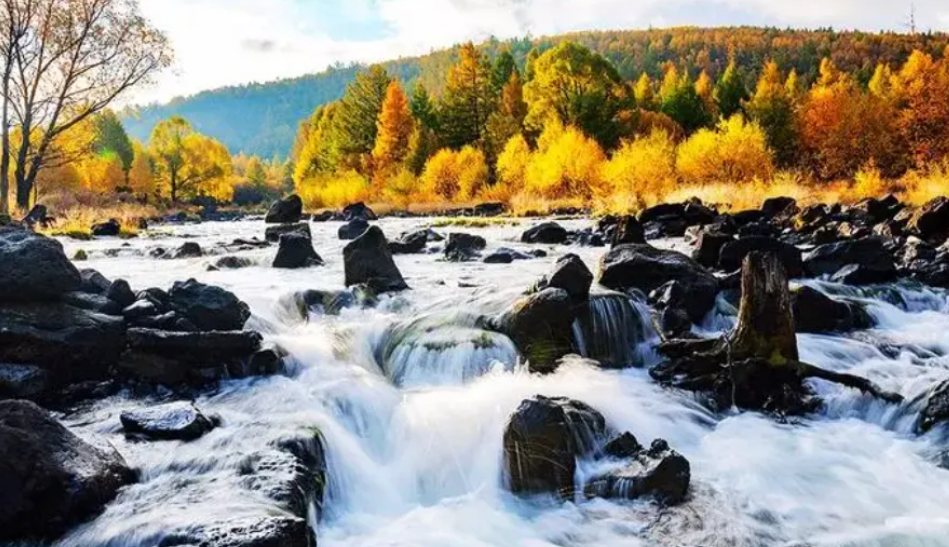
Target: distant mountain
column 262, row 119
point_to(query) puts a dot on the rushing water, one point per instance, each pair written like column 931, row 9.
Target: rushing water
column 411, row 400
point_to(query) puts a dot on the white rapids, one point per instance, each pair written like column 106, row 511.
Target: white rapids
column 413, row 440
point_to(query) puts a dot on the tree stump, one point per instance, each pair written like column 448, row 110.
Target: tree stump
column 757, row 365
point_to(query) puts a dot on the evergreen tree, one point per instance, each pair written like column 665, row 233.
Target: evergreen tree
column 773, row 108
column 730, row 92
column 422, row 108
column 469, row 99
column 504, row 67
column 355, row 122
column 682, row 103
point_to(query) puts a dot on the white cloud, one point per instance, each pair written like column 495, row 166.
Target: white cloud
column 224, row 42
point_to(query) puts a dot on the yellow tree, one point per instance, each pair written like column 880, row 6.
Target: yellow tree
column 921, row 89
column 189, row 164
column 142, row 172
column 508, row 120
column 395, row 127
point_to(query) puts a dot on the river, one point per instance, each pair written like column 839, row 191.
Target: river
column 413, row 443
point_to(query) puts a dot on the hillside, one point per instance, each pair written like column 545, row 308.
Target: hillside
column 262, row 119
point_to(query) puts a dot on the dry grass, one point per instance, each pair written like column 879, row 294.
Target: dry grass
column 75, row 214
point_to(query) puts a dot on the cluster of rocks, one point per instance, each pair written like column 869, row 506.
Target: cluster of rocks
column 546, row 437
column 292, row 231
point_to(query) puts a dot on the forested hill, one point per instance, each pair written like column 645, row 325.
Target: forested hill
column 262, row 119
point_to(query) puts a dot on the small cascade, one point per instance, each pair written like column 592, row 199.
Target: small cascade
column 443, row 349
column 615, row 330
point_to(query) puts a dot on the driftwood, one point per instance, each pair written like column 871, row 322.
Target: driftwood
column 757, row 365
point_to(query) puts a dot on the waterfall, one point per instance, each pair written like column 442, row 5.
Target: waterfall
column 615, row 330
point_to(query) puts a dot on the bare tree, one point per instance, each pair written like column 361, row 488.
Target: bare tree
column 76, row 58
column 14, row 24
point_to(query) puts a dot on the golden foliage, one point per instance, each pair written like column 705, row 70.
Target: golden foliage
column 567, row 163
column 455, row 175
column 333, row 189
column 735, row 151
column 642, row 169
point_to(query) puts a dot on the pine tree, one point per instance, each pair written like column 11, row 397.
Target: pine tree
column 643, row 91
column 508, row 119
column 469, row 99
column 682, row 103
column 730, row 92
column 504, row 67
column 422, row 108
column 773, row 108
column 110, row 137
column 355, row 122
column 395, row 127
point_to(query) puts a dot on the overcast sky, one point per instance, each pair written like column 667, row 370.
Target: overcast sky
column 224, row 42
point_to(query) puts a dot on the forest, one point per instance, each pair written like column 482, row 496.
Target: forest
column 731, row 116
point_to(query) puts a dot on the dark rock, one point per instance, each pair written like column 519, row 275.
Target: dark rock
column 663, row 210
column 410, row 243
column 285, row 211
column 623, row 447
column 353, row 229
column 301, row 304
column 761, row 228
column 39, row 214
column 34, row 267
column 697, row 213
column 52, row 479
column 489, row 209
column 139, row 309
column 173, row 421
column 233, row 263
column 671, row 301
column 540, row 325
column 462, row 247
column 659, row 472
column 750, row 216
column 358, row 210
column 247, row 531
column 628, row 230
column 665, row 227
column 92, row 302
column 868, row 260
column 23, row 381
column 935, row 408
column 543, row 441
column 121, row 293
column 811, row 218
column 573, row 276
column 503, row 255
column 773, row 207
column 549, row 233
column 647, row 268
column 734, row 252
column 931, row 221
column 367, row 260
column 816, row 312
column 708, row 247
column 858, row 274
column 110, row 228
column 175, row 358
column 72, row 344
column 273, row 233
column 188, row 249
column 208, row 307
column 296, row 251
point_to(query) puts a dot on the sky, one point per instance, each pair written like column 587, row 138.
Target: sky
column 227, row 42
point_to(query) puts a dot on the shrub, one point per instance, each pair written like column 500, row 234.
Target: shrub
column 333, row 190
column 454, row 175
column 643, row 169
column 567, row 164
column 735, row 151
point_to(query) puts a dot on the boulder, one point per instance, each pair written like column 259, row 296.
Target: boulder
column 299, row 305
column 34, row 267
column 773, row 207
column 733, row 253
column 287, row 210
column 121, row 293
column 670, row 300
column 296, row 251
column 931, row 221
column 109, row 228
column 71, row 343
column 367, row 260
column 542, row 442
column 935, row 410
column 410, row 243
column 548, row 233
column 662, row 211
column 208, row 307
column 247, row 531
column 188, row 249
column 359, row 210
column 659, row 472
column 708, row 247
column 628, row 230
column 273, row 233
column 540, row 325
column 39, row 214
column 647, row 268
column 462, row 247
column 92, row 302
column 697, row 213
column 176, row 358
column 816, row 312
column 353, row 229
column 232, row 262
column 573, row 276
column 173, row 421
column 52, row 479
column 866, row 260
column 504, row 255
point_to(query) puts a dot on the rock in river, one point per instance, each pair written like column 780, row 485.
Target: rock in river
column 285, row 210
column 33, row 267
column 296, row 251
column 208, row 307
column 173, row 421
column 51, row 478
column 367, row 260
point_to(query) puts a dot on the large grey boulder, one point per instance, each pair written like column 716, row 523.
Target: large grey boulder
column 368, row 260
column 33, row 267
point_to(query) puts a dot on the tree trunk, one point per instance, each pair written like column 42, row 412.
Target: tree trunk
column 765, row 321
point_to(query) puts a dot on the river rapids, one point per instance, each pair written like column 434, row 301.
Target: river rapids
column 411, row 400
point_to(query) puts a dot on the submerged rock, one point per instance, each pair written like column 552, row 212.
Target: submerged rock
column 549, row 232
column 647, row 268
column 659, row 472
column 733, row 253
column 367, row 260
column 935, row 408
column 410, row 243
column 287, row 210
column 296, row 251
column 52, row 479
column 359, row 210
column 189, row 249
column 233, row 263
column 34, row 267
column 462, row 247
column 172, row 421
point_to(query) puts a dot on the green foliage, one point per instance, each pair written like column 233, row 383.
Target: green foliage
column 682, row 103
column 111, row 138
column 730, row 92
column 469, row 99
column 504, row 67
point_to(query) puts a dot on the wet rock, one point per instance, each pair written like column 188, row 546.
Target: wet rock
column 287, row 210
column 811, row 218
column 233, row 263
column 662, row 211
column 504, row 255
column 188, row 249
column 866, row 261
column 72, row 344
column 121, row 293
column 92, row 302
column 660, row 473
column 248, row 531
column 671, row 301
column 697, row 213
column 301, row 304
column 140, row 309
column 358, row 210
column 931, row 221
column 622, row 447
column 177, row 358
column 173, row 421
column 367, row 260
column 773, row 207
column 296, row 251
column 462, row 247
column 542, row 442
column 273, row 233
column 540, row 326
column 110, row 228
column 816, row 312
column 549, row 233
column 746, row 217
column 34, row 267
column 573, row 276
column 52, row 479
column 627, row 230
column 208, row 307
column 733, row 253
column 353, row 229
column 708, row 247
column 23, row 381
column 665, row 227
column 647, row 268
column 935, row 408
column 410, row 243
